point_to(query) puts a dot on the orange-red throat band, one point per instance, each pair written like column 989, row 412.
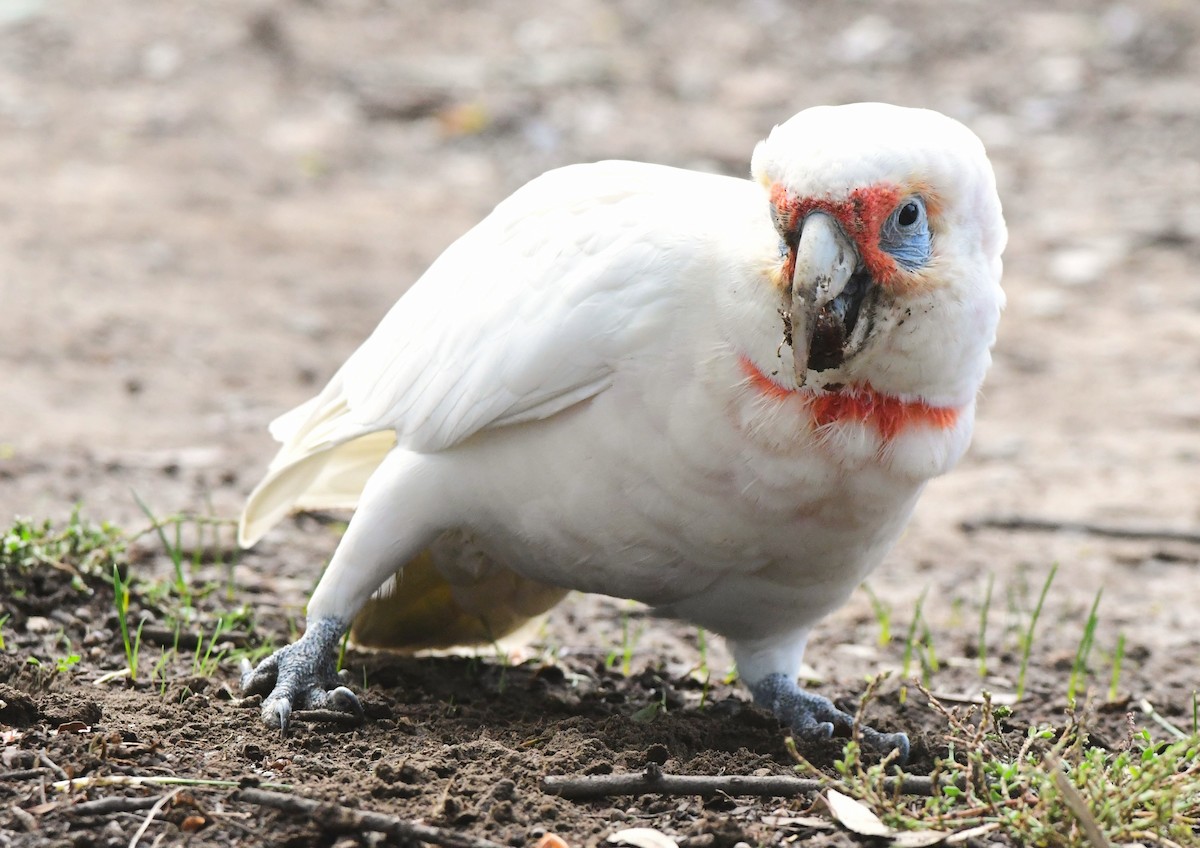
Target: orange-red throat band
column 888, row 415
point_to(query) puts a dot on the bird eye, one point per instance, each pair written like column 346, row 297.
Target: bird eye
column 905, row 234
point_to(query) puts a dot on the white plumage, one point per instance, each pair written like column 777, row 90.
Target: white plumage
column 614, row 383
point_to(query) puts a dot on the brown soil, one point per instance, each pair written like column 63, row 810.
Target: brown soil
column 206, row 206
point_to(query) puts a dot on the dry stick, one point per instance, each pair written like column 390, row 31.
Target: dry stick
column 333, row 817
column 23, row 774
column 1045, row 525
column 25, row 818
column 327, row 717
column 107, row 806
column 653, row 781
column 45, row 760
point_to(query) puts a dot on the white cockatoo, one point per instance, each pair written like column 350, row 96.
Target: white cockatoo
column 718, row 396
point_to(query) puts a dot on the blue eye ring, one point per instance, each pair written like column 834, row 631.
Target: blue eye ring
column 905, row 234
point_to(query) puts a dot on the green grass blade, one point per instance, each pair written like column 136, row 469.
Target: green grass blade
column 1083, row 651
column 175, row 552
column 1118, row 657
column 883, row 615
column 983, row 625
column 1028, row 638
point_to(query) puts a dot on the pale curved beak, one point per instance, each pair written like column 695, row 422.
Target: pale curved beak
column 826, row 259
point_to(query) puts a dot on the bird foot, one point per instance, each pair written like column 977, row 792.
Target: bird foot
column 302, row 676
column 816, row 718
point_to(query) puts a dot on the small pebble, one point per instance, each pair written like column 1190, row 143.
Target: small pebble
column 38, row 624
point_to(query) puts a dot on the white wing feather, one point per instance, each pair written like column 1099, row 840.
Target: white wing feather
column 527, row 314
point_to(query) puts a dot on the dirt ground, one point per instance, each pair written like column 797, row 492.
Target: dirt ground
column 206, row 206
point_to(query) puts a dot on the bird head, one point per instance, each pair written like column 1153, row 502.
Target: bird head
column 890, row 240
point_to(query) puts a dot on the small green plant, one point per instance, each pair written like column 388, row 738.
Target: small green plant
column 629, row 639
column 159, row 674
column 928, row 656
column 911, row 648
column 703, row 669
column 3, row 621
column 652, row 710
column 1118, row 658
column 503, row 659
column 133, row 645
column 1027, row 636
column 341, row 660
column 204, row 664
column 63, row 664
column 85, row 547
column 174, row 551
column 1053, row 789
column 984, row 611
column 883, row 615
column 1083, row 651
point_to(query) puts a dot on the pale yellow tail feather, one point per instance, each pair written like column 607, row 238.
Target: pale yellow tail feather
column 327, row 479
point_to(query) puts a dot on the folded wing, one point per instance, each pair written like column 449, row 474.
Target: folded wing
column 527, row 314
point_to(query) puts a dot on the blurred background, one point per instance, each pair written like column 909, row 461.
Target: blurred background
column 205, row 206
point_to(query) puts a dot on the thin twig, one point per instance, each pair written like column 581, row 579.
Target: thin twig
column 336, row 818
column 26, row 818
column 1046, row 525
column 653, row 781
column 158, row 805
column 23, row 774
column 108, row 806
column 45, row 760
column 327, row 717
column 78, row 783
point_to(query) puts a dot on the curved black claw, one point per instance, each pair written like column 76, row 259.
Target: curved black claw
column 302, row 676
column 816, row 718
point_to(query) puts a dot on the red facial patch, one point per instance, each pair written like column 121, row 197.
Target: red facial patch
column 861, row 215
column 887, row 415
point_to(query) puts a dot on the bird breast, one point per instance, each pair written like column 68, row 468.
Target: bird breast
column 664, row 489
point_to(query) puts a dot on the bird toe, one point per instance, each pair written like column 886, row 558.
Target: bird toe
column 277, row 712
column 260, row 680
column 343, row 700
column 887, row 742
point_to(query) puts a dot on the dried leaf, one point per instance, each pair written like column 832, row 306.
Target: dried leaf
column 857, row 817
column 961, row 836
column 642, row 837
column 798, row 821
column 854, row 815
column 999, row 699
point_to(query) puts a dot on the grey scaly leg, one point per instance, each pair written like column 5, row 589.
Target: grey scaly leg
column 814, row 717
column 302, row 675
